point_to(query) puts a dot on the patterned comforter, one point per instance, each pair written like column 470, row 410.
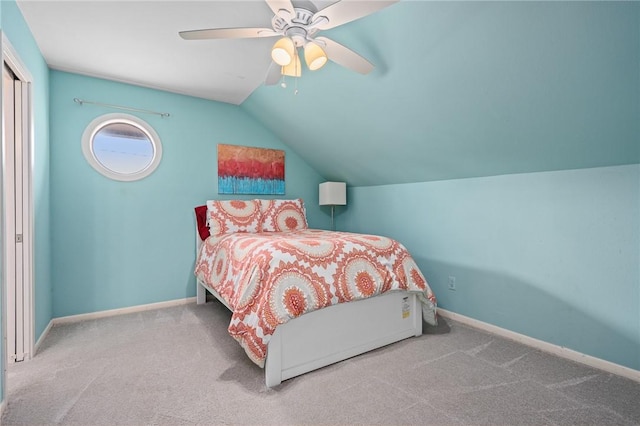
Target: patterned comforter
column 269, row 278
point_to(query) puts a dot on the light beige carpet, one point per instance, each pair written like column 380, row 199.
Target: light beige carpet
column 178, row 366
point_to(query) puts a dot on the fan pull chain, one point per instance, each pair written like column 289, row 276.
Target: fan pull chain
column 295, row 82
column 295, row 72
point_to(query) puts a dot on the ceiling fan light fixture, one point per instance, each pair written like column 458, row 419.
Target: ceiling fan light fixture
column 294, row 69
column 283, row 51
column 314, row 56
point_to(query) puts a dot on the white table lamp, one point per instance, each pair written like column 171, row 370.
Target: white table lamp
column 333, row 194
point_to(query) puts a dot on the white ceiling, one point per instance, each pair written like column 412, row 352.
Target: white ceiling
column 137, row 42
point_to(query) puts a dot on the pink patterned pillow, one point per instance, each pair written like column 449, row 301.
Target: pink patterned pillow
column 283, row 215
column 229, row 216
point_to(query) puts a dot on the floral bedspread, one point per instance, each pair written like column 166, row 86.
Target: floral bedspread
column 269, row 278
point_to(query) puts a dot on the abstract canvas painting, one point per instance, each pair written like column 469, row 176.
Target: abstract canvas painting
column 248, row 170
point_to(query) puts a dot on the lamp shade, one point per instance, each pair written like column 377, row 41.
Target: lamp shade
column 333, row 194
column 314, row 56
column 282, row 51
column 294, row 69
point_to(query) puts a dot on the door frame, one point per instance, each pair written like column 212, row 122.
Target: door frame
column 17, row 66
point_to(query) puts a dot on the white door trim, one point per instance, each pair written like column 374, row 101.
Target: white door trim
column 12, row 59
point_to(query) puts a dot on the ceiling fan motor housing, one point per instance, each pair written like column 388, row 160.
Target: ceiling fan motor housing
column 300, row 28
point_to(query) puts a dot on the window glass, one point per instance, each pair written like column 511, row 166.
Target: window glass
column 122, row 147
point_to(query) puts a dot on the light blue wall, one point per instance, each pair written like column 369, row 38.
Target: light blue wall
column 120, row 244
column 552, row 255
column 18, row 34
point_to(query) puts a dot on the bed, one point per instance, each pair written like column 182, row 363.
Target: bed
column 305, row 298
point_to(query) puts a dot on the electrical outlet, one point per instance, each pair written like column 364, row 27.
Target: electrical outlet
column 452, row 283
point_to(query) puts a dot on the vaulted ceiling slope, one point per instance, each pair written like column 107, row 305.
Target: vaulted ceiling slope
column 466, row 89
column 460, row 89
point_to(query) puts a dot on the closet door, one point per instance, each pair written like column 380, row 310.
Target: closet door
column 15, row 137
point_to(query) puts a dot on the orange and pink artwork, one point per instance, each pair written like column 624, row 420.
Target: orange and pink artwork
column 249, row 170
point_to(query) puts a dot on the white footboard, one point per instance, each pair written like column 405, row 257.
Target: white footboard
column 333, row 334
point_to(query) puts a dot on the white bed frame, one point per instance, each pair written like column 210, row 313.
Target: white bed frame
column 335, row 333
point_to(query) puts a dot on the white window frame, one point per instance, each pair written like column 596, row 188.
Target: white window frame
column 98, row 123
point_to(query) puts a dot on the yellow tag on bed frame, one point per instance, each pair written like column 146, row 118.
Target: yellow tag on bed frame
column 406, row 308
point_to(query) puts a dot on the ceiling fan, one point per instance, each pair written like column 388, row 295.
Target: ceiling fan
column 297, row 27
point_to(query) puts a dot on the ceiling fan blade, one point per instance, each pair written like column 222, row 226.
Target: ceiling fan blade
column 346, row 11
column 278, row 5
column 221, row 33
column 273, row 74
column 344, row 56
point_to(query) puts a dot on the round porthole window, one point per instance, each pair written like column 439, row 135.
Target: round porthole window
column 122, row 147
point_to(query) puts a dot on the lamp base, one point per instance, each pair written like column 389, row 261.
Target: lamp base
column 333, row 224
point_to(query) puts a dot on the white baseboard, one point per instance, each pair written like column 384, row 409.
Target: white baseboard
column 36, row 347
column 560, row 351
column 122, row 311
